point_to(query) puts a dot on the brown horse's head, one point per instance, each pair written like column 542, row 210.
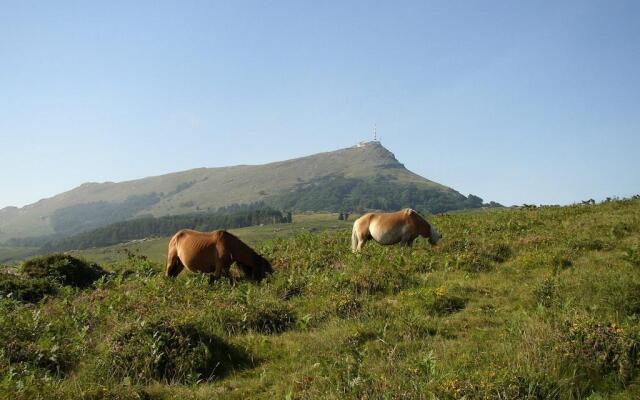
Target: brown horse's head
column 262, row 267
column 252, row 264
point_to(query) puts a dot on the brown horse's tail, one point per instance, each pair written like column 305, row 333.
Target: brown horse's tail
column 251, row 263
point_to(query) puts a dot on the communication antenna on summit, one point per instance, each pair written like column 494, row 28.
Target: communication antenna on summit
column 375, row 133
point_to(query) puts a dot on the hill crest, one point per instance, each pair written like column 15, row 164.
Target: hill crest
column 92, row 204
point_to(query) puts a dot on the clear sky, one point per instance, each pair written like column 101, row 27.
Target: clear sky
column 514, row 101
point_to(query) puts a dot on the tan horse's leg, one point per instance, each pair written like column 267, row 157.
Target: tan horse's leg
column 360, row 241
column 359, row 236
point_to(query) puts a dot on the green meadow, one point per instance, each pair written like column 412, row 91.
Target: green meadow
column 512, row 304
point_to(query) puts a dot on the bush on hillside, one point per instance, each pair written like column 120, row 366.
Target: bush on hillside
column 347, row 305
column 64, row 269
column 371, row 279
column 601, row 350
column 29, row 342
column 262, row 316
column 168, row 352
column 546, row 293
column 499, row 252
column 482, row 258
column 443, row 302
column 23, row 289
column 632, row 255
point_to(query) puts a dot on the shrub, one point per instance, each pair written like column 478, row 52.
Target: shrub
column 500, row 252
column 358, row 337
column 626, row 298
column 63, row 268
column 561, row 261
column 447, row 304
column 375, row 279
column 586, row 244
column 524, row 387
column 347, row 306
column 601, row 350
column 270, row 318
column 291, row 287
column 479, row 257
column 632, row 255
column 546, row 293
column 43, row 346
column 168, row 352
column 266, row 317
column 621, row 230
column 24, row 289
column 474, row 262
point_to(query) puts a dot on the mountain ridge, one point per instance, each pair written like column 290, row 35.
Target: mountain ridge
column 94, row 204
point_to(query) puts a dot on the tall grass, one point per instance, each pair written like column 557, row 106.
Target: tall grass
column 519, row 304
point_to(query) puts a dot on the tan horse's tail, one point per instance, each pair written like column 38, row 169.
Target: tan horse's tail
column 354, row 237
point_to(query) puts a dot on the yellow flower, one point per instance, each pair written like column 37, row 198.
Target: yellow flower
column 439, row 291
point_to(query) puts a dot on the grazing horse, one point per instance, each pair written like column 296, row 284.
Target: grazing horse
column 402, row 226
column 213, row 253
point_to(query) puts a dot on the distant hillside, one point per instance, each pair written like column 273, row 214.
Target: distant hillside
column 367, row 176
column 145, row 227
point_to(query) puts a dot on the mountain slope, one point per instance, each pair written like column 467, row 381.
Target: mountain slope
column 92, row 205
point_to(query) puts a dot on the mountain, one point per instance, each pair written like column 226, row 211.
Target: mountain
column 359, row 177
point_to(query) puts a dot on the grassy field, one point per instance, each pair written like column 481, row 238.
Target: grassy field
column 11, row 254
column 517, row 304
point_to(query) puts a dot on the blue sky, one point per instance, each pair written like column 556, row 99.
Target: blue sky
column 535, row 102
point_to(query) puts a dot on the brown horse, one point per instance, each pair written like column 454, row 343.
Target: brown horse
column 390, row 228
column 213, row 253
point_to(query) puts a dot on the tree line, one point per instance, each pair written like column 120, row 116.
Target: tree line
column 225, row 218
column 338, row 193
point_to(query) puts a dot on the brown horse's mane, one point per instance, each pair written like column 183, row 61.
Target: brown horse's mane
column 247, row 259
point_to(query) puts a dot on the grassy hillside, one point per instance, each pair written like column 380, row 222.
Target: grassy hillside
column 306, row 183
column 13, row 253
column 512, row 304
column 156, row 248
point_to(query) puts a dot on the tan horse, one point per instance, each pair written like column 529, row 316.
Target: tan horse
column 390, row 228
column 213, row 253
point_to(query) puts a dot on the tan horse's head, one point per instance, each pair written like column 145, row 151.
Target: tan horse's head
column 427, row 230
column 435, row 236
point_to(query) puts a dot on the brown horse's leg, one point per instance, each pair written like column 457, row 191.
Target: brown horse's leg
column 174, row 265
column 217, row 271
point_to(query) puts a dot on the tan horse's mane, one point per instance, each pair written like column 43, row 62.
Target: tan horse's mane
column 425, row 224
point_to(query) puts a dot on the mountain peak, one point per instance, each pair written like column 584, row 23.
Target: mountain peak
column 206, row 189
column 377, row 151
